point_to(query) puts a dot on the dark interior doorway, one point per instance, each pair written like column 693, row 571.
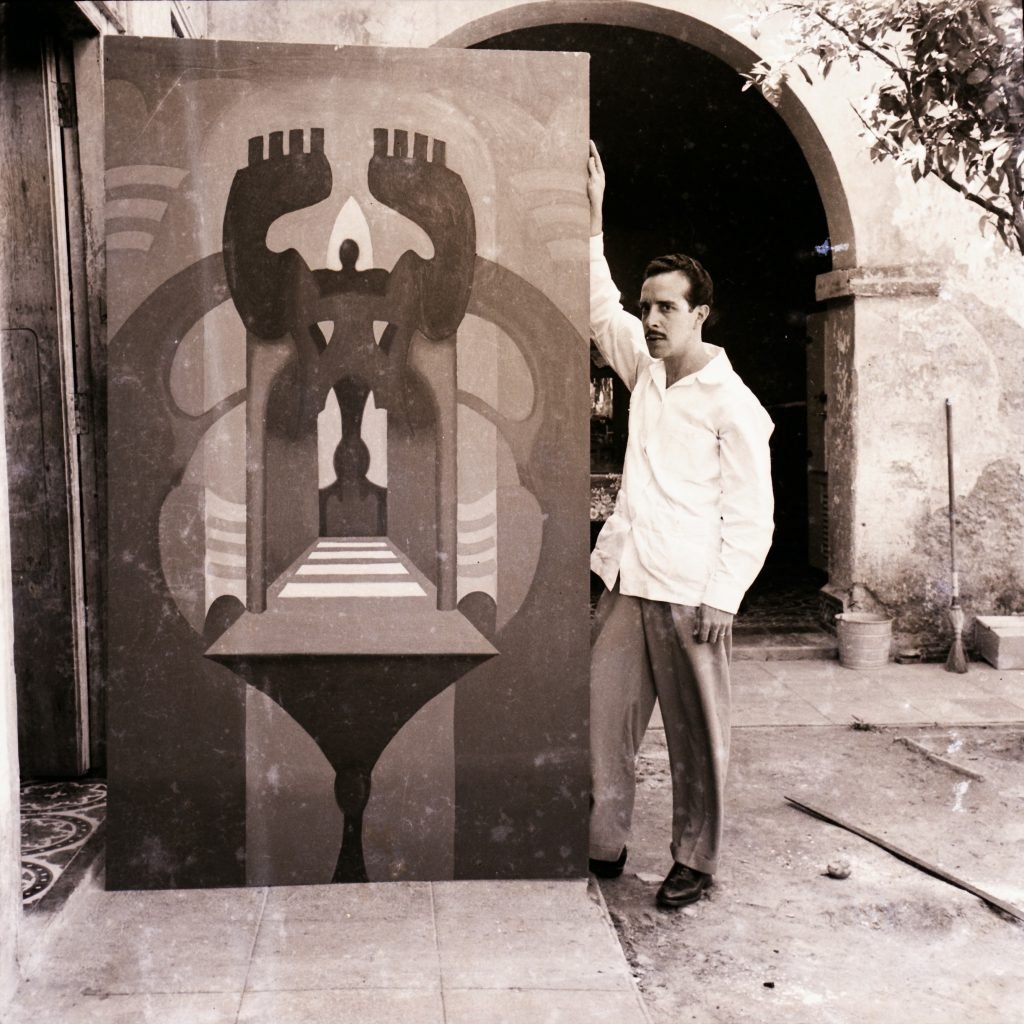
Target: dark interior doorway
column 698, row 165
column 46, row 355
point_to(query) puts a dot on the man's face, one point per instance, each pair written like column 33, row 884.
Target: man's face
column 671, row 327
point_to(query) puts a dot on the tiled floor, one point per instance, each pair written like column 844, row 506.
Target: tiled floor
column 433, row 953
column 767, row 693
column 59, row 820
column 826, row 693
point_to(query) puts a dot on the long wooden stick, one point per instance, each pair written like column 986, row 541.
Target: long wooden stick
column 909, row 858
column 944, row 761
column 952, row 500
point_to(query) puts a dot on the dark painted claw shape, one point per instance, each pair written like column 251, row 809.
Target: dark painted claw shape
column 423, row 188
column 264, row 284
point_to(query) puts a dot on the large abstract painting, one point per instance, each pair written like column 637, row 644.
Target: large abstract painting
column 348, row 464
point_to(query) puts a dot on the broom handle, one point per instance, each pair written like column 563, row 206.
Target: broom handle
column 952, row 503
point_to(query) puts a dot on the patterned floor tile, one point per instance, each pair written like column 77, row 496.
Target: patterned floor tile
column 57, row 820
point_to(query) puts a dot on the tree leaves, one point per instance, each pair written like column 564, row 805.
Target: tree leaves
column 950, row 94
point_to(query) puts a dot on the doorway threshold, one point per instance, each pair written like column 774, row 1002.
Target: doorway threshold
column 781, row 618
column 780, row 644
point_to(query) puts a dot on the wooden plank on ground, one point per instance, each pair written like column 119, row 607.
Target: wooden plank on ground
column 909, row 858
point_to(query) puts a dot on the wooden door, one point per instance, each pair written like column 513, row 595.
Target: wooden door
column 42, row 415
column 817, row 446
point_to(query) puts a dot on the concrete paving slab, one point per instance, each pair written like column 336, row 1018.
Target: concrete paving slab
column 749, row 671
column 866, row 690
column 474, row 1006
column 776, row 712
column 372, row 953
column 294, row 952
column 966, row 712
column 818, row 671
column 189, row 941
column 952, row 687
column 389, row 1006
column 510, row 900
column 119, row 970
column 510, row 952
column 374, row 901
column 769, row 686
column 995, row 709
column 145, row 1008
column 876, row 712
column 226, row 904
column 1001, row 684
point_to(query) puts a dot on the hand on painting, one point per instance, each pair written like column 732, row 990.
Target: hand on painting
column 595, row 189
column 712, row 624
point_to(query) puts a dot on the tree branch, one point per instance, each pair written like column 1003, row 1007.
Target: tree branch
column 1017, row 203
column 985, row 204
column 893, row 149
column 945, row 177
column 861, row 44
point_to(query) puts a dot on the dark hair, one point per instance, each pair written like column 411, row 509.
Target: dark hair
column 702, row 289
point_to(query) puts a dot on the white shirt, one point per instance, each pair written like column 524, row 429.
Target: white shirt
column 693, row 520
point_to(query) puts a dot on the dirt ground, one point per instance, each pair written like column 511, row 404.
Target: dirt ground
column 777, row 940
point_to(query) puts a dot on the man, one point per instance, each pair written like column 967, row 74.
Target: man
column 690, row 531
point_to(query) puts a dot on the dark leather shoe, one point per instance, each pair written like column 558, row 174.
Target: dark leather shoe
column 682, row 886
column 608, row 868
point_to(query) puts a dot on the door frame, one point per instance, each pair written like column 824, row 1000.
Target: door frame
column 59, row 104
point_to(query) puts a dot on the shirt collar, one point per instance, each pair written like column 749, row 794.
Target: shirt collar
column 715, row 371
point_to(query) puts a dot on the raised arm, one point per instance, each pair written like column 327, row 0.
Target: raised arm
column 618, row 335
column 596, row 181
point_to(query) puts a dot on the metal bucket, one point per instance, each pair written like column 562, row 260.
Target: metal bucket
column 865, row 639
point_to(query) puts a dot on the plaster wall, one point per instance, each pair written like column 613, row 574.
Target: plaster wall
column 10, row 838
column 911, row 353
column 938, row 312
column 144, row 17
column 153, row 18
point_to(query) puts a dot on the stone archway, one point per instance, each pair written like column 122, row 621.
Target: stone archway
column 704, row 36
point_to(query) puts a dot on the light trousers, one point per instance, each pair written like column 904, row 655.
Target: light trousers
column 644, row 651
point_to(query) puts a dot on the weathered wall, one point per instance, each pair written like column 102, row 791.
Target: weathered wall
column 153, row 18
column 938, row 313
column 187, row 18
column 10, row 837
column 958, row 334
column 10, row 840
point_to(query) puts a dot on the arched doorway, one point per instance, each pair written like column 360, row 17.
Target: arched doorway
column 697, row 164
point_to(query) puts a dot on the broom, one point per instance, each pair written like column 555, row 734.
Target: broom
column 957, row 660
